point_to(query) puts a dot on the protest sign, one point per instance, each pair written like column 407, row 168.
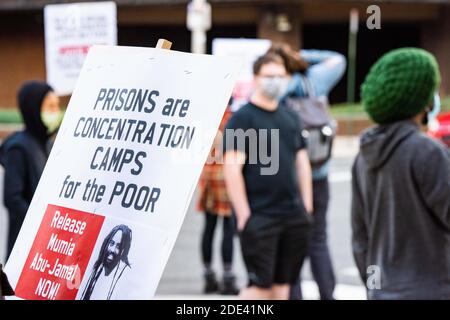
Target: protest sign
column 121, row 174
column 248, row 50
column 70, row 30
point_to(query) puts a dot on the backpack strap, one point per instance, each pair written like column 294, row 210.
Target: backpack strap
column 307, row 87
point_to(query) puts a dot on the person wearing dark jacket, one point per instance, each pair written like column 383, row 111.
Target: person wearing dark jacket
column 5, row 287
column 401, row 184
column 24, row 154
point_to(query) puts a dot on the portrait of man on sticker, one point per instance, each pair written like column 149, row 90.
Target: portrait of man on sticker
column 111, row 264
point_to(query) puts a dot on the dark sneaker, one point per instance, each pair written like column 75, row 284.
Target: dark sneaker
column 211, row 284
column 229, row 285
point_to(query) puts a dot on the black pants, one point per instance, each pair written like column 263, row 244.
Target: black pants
column 15, row 223
column 274, row 247
column 208, row 237
column 318, row 252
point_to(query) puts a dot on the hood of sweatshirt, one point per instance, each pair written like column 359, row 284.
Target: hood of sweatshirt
column 30, row 98
column 378, row 144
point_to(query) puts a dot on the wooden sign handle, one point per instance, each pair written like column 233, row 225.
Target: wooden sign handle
column 164, row 44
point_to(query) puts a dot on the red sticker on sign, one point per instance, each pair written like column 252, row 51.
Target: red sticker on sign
column 60, row 253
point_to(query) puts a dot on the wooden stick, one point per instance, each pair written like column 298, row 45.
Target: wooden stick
column 164, row 44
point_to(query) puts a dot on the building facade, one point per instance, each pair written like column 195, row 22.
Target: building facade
column 317, row 24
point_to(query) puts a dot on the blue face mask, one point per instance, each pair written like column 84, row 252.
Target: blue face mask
column 436, row 108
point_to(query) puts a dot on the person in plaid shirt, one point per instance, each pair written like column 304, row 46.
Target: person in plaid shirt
column 213, row 202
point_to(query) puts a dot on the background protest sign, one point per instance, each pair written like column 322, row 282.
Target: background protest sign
column 248, row 50
column 70, row 30
column 121, row 174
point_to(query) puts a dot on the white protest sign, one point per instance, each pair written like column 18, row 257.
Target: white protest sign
column 70, row 30
column 121, row 174
column 248, row 50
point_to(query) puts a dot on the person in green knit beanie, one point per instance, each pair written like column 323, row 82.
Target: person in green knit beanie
column 401, row 183
column 400, row 85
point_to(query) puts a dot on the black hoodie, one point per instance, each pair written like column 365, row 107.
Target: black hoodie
column 401, row 213
column 23, row 156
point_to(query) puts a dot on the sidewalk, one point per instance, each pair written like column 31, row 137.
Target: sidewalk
column 345, row 146
column 309, row 288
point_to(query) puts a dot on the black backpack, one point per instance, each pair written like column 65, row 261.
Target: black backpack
column 319, row 129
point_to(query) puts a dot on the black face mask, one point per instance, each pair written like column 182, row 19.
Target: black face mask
column 425, row 119
column 425, row 116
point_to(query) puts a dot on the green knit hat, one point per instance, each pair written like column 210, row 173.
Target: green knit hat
column 400, row 85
